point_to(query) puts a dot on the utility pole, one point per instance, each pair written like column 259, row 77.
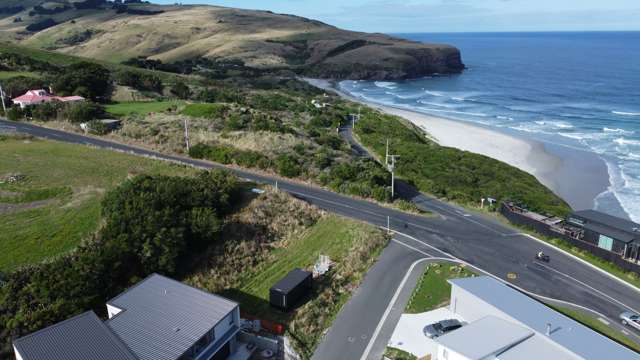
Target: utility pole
column 186, row 133
column 390, row 161
column 4, row 107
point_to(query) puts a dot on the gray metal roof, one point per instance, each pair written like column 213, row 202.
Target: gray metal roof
column 482, row 338
column 567, row 333
column 291, row 280
column 161, row 318
column 537, row 347
column 83, row 337
column 609, row 231
column 609, row 220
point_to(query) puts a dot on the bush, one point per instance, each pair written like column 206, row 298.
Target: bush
column 151, row 224
column 85, row 79
column 15, row 114
column 140, row 81
column 81, row 111
column 47, row 111
column 19, row 85
column 181, row 90
column 229, row 155
column 209, row 111
column 97, row 127
column 41, row 25
column 287, row 165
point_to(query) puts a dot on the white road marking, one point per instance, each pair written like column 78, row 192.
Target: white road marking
column 580, row 260
column 376, row 332
column 456, row 260
column 412, row 248
column 607, row 297
column 603, row 321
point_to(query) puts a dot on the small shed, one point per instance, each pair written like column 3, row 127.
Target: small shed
column 286, row 293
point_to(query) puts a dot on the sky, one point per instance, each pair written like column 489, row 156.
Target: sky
column 397, row 16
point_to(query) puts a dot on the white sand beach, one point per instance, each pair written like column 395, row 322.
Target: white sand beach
column 550, row 168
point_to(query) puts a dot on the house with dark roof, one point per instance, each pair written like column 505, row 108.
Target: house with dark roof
column 607, row 232
column 157, row 319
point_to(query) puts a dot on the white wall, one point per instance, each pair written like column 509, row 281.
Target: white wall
column 233, row 318
column 446, row 354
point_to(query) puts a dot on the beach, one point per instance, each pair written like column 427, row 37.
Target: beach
column 576, row 176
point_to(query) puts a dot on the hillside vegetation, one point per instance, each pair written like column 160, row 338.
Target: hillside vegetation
column 55, row 202
column 449, row 173
column 259, row 39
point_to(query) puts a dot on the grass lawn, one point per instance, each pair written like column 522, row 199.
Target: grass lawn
column 204, row 110
column 70, row 180
column 397, row 354
column 332, row 236
column 595, row 324
column 4, row 75
column 433, row 290
column 140, row 108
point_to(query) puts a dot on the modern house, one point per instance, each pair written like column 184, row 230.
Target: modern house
column 608, row 232
column 608, row 237
column 505, row 324
column 35, row 97
column 159, row 319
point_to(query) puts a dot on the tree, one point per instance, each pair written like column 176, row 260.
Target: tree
column 181, row 90
column 86, row 79
column 78, row 112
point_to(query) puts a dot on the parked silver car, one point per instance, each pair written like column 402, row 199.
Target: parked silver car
column 630, row 319
column 440, row 328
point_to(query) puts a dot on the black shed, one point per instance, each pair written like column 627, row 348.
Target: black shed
column 286, row 293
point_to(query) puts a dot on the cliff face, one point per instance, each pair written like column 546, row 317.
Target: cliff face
column 260, row 39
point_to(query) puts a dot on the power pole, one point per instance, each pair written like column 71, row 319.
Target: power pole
column 4, row 107
column 390, row 161
column 186, row 133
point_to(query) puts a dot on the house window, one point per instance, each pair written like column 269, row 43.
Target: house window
column 605, row 242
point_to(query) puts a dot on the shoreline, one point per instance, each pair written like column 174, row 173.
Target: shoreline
column 578, row 177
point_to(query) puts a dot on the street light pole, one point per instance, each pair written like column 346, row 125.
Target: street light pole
column 390, row 161
column 186, row 134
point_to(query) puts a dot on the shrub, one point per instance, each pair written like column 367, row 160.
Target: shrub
column 209, row 111
column 86, row 79
column 47, row 111
column 287, row 165
column 140, row 81
column 41, row 25
column 181, row 90
column 227, row 155
column 81, row 111
column 15, row 114
column 97, row 127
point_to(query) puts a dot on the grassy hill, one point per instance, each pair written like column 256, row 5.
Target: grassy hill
column 56, row 203
column 260, row 39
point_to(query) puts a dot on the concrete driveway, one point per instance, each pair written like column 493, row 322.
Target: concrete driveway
column 408, row 335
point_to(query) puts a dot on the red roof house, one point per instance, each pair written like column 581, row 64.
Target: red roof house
column 35, row 97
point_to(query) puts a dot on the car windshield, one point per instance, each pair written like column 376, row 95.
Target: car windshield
column 437, row 326
column 634, row 317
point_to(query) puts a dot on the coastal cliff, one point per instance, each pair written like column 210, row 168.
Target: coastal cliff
column 260, row 39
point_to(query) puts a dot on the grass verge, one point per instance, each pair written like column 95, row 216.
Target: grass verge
column 598, row 326
column 433, row 290
column 397, row 354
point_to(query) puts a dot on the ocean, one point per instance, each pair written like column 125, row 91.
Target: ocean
column 575, row 90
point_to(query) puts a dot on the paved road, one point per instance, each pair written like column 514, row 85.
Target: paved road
column 472, row 237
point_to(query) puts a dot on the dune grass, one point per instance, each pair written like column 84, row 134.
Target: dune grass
column 397, row 354
column 433, row 290
column 141, row 107
column 68, row 181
